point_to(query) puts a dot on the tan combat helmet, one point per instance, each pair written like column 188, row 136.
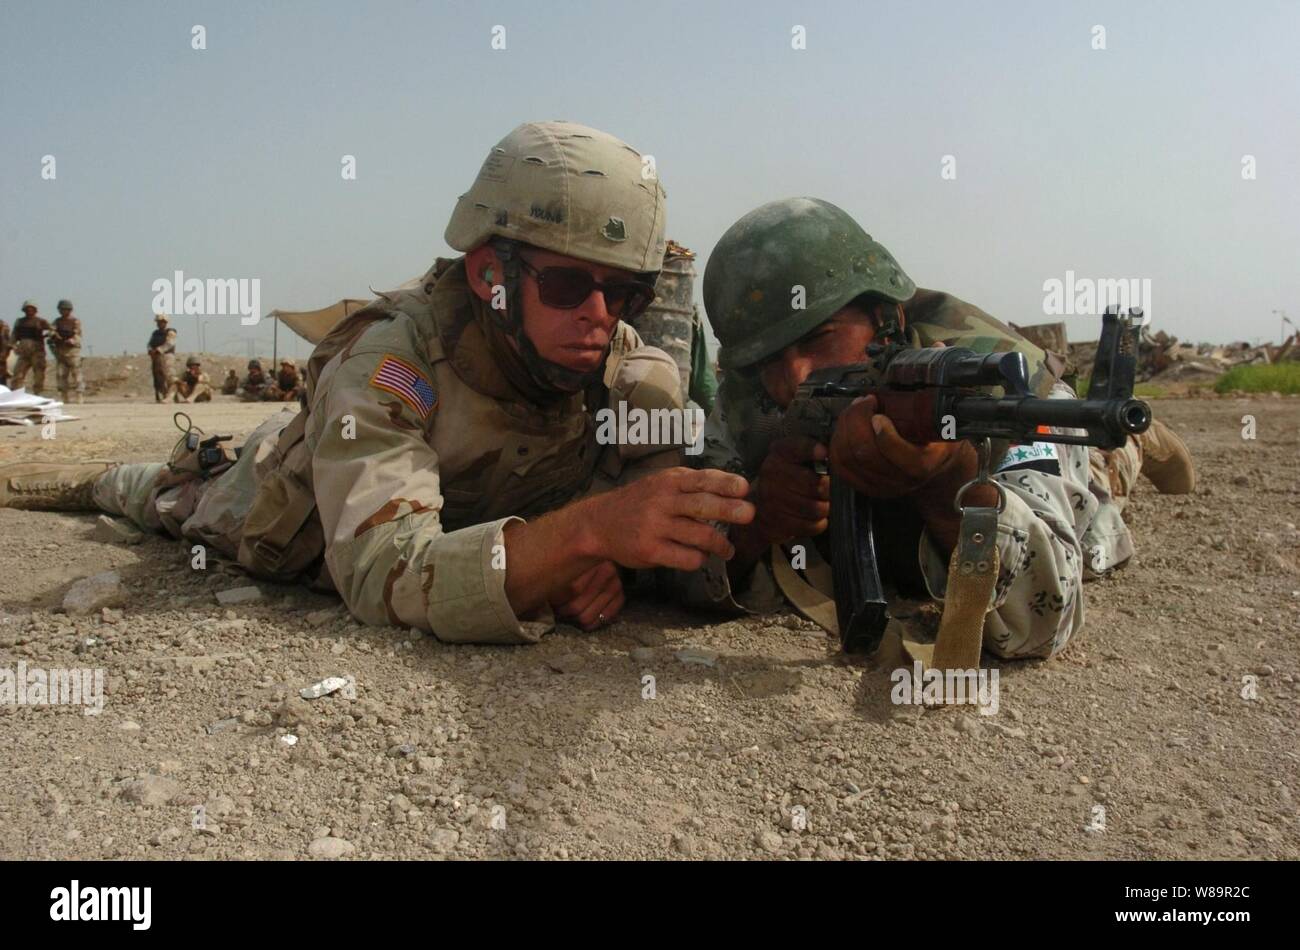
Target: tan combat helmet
column 565, row 188
column 160, row 318
column 570, row 189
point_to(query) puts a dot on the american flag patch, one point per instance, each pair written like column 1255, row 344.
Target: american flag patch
column 406, row 383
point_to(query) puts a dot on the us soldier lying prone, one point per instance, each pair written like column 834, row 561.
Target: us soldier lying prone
column 446, row 473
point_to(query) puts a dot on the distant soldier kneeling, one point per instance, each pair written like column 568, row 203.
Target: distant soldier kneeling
column 193, row 385
column 254, row 383
column 288, row 384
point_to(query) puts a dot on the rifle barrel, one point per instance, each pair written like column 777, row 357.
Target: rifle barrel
column 1118, row 418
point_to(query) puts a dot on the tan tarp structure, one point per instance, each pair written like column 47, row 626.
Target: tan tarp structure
column 312, row 325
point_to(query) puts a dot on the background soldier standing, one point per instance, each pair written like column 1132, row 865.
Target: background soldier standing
column 65, row 344
column 162, row 347
column 4, row 353
column 287, row 385
column 29, row 340
column 193, row 385
column 254, row 383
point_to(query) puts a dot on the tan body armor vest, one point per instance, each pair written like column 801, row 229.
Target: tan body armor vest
column 498, row 455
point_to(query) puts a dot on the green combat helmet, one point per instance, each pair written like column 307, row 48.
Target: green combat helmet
column 783, row 254
column 64, row 305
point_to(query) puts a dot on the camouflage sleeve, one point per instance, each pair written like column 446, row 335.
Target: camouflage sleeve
column 1038, row 599
column 378, row 492
column 940, row 317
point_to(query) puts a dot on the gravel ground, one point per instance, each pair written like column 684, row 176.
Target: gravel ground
column 768, row 744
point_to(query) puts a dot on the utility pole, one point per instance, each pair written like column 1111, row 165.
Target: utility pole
column 1282, row 327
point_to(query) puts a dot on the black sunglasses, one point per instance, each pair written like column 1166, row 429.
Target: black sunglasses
column 568, row 287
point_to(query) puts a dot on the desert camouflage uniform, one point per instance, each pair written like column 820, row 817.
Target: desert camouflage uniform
column 29, row 341
column 5, row 349
column 251, row 389
column 1062, row 517
column 162, row 350
column 285, row 388
column 65, row 341
column 191, row 388
column 230, row 385
column 415, row 483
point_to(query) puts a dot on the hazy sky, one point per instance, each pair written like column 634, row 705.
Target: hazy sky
column 225, row 162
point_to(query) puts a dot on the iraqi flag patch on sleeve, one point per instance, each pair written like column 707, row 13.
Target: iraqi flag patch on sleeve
column 1041, row 456
column 407, row 383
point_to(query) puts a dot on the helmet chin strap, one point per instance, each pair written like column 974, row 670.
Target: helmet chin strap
column 545, row 372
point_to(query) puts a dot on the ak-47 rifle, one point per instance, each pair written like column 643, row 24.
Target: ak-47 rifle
column 933, row 394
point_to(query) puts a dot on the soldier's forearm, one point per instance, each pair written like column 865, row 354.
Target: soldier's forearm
column 544, row 556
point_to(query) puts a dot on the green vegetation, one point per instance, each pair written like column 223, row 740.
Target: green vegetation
column 1279, row 378
column 1141, row 390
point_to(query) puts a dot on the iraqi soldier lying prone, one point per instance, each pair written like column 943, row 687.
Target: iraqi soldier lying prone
column 1062, row 512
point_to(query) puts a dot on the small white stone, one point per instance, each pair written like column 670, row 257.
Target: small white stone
column 331, row 684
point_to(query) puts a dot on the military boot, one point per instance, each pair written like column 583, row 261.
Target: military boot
column 49, row 486
column 1166, row 461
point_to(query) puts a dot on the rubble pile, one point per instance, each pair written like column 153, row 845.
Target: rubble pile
column 1163, row 358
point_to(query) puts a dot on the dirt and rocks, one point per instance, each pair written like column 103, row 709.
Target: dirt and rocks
column 761, row 741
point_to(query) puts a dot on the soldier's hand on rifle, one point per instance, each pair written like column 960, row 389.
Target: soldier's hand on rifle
column 868, row 452
column 793, row 500
column 593, row 598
